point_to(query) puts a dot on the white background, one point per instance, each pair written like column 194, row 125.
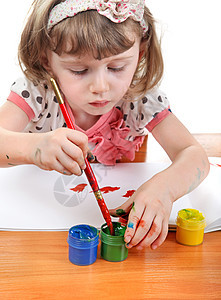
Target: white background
column 191, row 43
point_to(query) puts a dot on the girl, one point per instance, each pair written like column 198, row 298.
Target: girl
column 107, row 61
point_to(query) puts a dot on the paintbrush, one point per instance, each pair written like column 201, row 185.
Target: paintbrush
column 88, row 171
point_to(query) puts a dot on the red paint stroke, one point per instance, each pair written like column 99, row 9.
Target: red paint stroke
column 79, row 188
column 129, row 193
column 216, row 165
column 108, row 189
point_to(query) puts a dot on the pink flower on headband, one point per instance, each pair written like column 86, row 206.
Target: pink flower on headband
column 119, row 10
column 115, row 10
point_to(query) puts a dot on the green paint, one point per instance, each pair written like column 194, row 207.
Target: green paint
column 191, row 215
column 133, row 206
column 196, row 181
column 113, row 246
column 10, row 164
column 37, row 152
column 120, row 212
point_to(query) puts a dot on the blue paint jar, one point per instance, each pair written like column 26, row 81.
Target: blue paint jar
column 83, row 242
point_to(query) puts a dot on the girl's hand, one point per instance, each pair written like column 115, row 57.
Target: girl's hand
column 63, row 150
column 149, row 210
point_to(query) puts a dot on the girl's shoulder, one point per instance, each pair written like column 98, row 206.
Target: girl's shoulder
column 147, row 111
column 154, row 98
column 28, row 89
column 38, row 101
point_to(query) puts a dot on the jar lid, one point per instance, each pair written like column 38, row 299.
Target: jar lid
column 191, row 219
column 83, row 236
column 115, row 240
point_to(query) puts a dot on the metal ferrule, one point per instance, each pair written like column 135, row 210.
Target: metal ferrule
column 98, row 195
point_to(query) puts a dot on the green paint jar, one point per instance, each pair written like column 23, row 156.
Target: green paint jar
column 113, row 246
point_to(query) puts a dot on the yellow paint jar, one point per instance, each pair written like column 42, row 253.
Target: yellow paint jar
column 190, row 227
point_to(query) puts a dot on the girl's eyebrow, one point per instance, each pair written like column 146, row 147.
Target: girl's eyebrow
column 123, row 58
column 83, row 61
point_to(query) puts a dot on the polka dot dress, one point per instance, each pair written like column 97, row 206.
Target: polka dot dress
column 39, row 103
column 41, row 106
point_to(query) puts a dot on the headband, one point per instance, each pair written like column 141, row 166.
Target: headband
column 115, row 10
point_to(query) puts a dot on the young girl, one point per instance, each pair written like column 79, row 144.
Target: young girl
column 106, row 58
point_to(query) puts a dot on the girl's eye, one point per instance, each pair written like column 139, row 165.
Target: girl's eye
column 116, row 69
column 80, row 72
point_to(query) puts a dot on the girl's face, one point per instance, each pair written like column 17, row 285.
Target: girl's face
column 94, row 86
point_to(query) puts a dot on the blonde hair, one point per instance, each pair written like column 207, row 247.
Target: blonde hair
column 88, row 32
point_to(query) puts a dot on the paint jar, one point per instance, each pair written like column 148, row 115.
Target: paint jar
column 83, row 243
column 190, row 227
column 113, row 246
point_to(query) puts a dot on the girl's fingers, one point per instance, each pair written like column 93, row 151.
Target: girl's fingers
column 133, row 221
column 153, row 233
column 70, row 155
column 122, row 210
column 69, row 164
column 161, row 238
column 80, row 140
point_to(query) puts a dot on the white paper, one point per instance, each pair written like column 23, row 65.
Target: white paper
column 33, row 199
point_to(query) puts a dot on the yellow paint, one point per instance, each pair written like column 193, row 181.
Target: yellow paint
column 190, row 227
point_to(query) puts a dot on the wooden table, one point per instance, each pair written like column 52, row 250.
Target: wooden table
column 35, row 265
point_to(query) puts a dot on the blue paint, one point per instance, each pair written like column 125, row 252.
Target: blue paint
column 83, row 241
column 130, row 225
column 85, row 232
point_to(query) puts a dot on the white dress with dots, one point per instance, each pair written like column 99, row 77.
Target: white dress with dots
column 120, row 132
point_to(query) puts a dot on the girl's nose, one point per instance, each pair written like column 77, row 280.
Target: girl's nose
column 99, row 84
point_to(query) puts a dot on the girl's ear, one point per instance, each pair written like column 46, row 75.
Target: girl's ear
column 45, row 63
column 143, row 45
column 141, row 54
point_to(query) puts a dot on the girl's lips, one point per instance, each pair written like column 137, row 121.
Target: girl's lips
column 99, row 103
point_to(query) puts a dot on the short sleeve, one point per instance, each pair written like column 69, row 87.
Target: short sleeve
column 143, row 115
column 25, row 94
column 39, row 103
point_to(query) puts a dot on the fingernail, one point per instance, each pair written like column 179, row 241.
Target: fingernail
column 90, row 157
column 127, row 239
column 129, row 246
column 83, row 166
column 154, row 247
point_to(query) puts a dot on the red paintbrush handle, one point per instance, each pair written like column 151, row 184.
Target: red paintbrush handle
column 104, row 210
column 66, row 116
column 88, row 171
column 91, row 177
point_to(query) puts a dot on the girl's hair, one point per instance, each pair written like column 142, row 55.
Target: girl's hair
column 88, row 32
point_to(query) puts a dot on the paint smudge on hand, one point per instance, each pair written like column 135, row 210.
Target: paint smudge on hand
column 79, row 188
column 130, row 225
column 120, row 212
column 10, row 164
column 129, row 193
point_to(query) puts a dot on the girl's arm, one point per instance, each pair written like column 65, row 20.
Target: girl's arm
column 190, row 163
column 152, row 202
column 63, row 149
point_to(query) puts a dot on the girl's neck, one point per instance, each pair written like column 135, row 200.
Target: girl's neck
column 85, row 121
